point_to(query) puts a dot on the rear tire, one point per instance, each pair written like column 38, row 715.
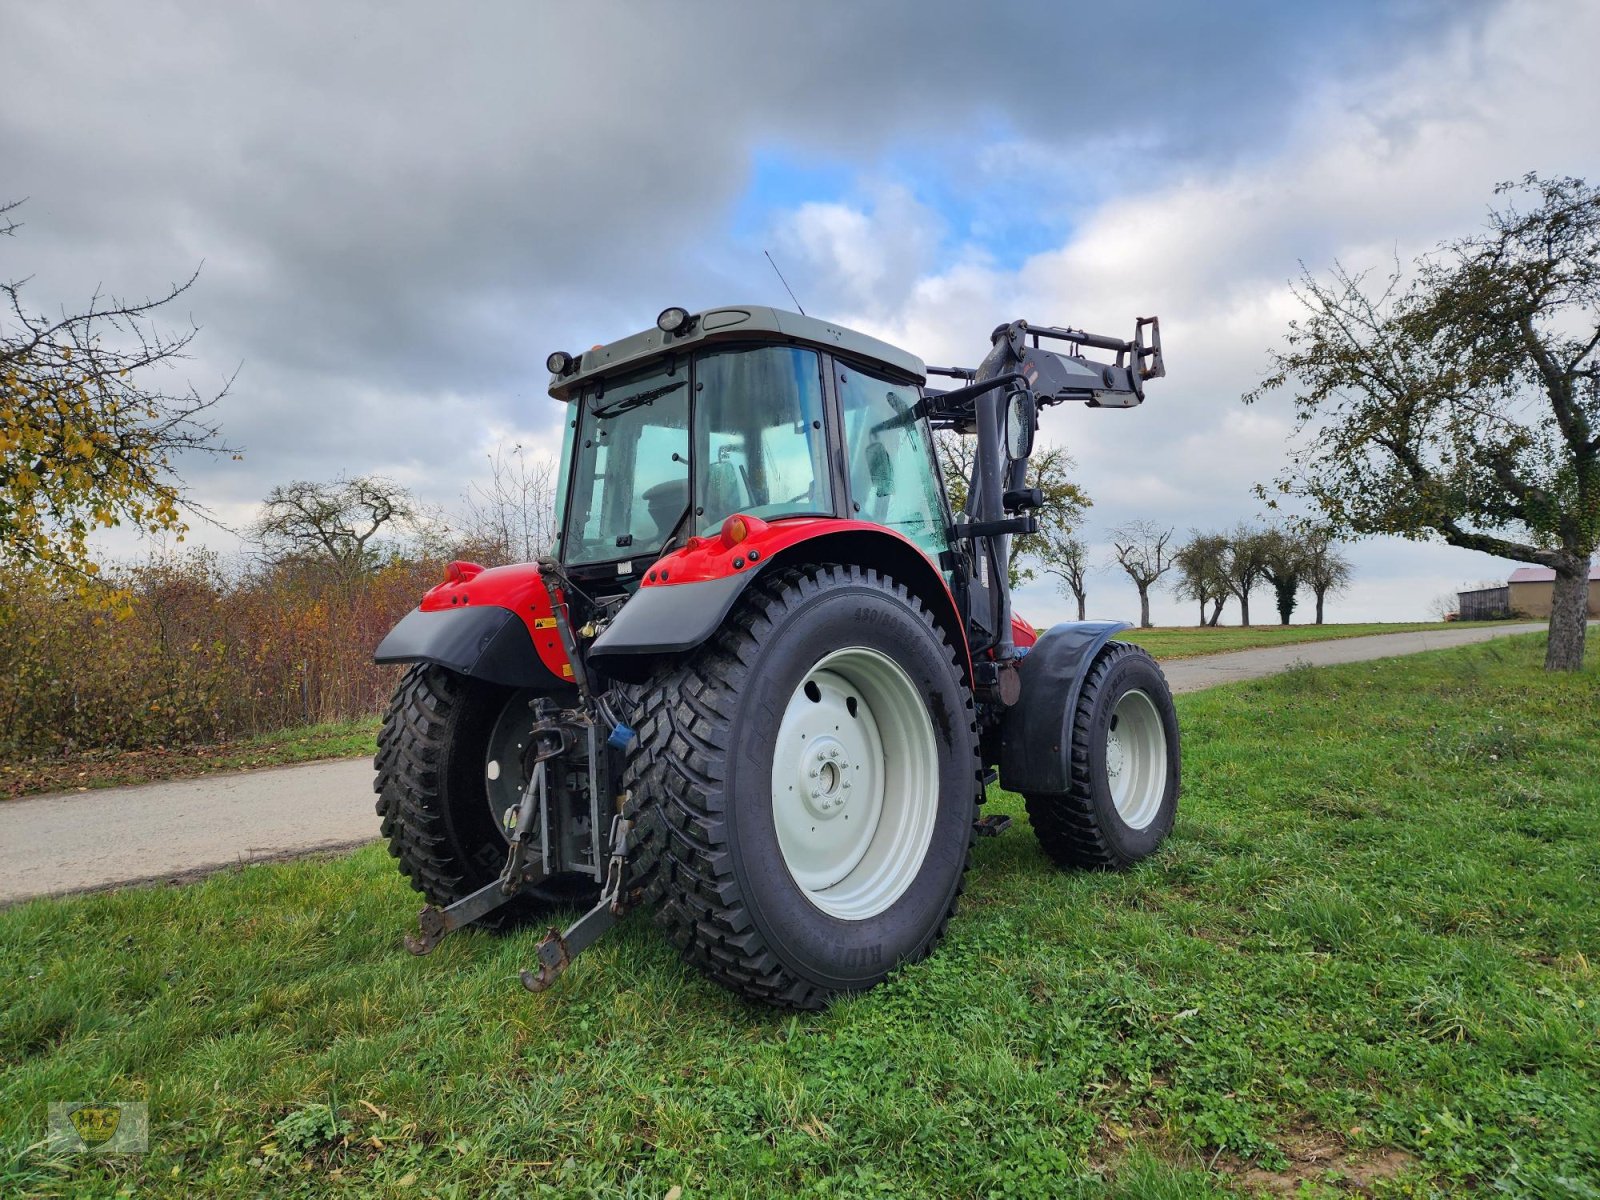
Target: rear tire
column 1124, row 767
column 741, row 840
column 433, row 798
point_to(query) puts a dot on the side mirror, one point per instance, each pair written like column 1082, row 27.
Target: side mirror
column 1022, row 415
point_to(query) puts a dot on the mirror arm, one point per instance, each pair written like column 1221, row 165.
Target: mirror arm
column 958, row 401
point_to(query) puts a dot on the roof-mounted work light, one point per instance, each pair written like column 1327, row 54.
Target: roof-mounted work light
column 559, row 363
column 674, row 320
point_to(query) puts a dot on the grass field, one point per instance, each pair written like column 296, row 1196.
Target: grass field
column 1366, row 958
column 1190, row 641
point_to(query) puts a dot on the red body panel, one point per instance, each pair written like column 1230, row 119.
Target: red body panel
column 712, row 557
column 521, row 589
column 1022, row 632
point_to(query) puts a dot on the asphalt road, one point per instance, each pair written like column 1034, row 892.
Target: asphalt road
column 81, row 841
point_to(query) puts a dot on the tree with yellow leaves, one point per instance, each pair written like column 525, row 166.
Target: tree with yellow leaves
column 86, row 441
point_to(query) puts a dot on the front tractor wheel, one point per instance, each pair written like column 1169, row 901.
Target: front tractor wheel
column 1123, row 793
column 806, row 785
column 449, row 763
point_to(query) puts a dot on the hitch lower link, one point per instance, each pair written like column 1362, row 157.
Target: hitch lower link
column 557, row 949
column 434, row 924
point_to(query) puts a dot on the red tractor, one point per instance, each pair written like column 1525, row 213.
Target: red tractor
column 765, row 676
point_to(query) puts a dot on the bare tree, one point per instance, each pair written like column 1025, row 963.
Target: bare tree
column 1068, row 561
column 1446, row 606
column 511, row 515
column 1325, row 570
column 333, row 522
column 1201, row 574
column 1140, row 549
column 1244, row 566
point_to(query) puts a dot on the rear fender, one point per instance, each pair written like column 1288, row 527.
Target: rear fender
column 685, row 597
column 1035, row 732
column 498, row 625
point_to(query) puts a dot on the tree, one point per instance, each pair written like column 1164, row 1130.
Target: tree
column 87, row 440
column 1446, row 606
column 1244, row 565
column 1325, row 570
column 1283, row 566
column 334, row 523
column 1140, row 549
column 1068, row 561
column 511, row 516
column 1049, row 470
column 1201, row 575
column 1462, row 402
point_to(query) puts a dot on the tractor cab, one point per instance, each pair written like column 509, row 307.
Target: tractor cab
column 737, row 411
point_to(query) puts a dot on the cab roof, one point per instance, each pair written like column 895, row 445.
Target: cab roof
column 735, row 323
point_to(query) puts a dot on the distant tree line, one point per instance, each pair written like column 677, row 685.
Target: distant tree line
column 1213, row 567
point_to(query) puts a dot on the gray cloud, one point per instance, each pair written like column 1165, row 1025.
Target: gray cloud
column 402, row 208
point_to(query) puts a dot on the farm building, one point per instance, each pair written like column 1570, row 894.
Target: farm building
column 1529, row 592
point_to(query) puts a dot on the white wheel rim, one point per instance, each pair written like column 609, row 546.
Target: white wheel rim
column 855, row 783
column 1136, row 759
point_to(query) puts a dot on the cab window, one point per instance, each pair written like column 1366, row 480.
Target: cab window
column 758, row 413
column 893, row 478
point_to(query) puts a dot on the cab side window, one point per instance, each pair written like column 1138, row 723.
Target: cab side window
column 893, row 480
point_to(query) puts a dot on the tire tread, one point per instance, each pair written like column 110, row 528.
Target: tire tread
column 682, row 859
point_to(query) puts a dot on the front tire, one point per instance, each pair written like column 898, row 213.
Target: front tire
column 806, row 785
column 1124, row 768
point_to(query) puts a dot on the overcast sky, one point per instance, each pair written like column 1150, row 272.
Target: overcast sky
column 402, row 208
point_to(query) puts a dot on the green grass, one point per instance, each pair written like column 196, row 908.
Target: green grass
column 1190, row 641
column 345, row 739
column 1367, row 953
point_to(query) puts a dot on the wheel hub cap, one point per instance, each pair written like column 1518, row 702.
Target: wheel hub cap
column 1136, row 759
column 829, row 778
column 854, row 783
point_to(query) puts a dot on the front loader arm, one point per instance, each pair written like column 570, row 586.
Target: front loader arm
column 1018, row 361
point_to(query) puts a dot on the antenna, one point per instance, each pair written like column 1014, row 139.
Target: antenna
column 785, row 283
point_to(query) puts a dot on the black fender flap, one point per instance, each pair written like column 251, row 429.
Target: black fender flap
column 1035, row 740
column 481, row 641
column 665, row 620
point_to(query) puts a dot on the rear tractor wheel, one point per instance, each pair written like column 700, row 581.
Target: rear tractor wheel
column 449, row 763
column 1123, row 790
column 807, row 783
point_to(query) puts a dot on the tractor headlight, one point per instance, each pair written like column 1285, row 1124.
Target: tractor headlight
column 673, row 320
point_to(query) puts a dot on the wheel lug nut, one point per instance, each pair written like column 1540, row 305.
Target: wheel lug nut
column 833, row 752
